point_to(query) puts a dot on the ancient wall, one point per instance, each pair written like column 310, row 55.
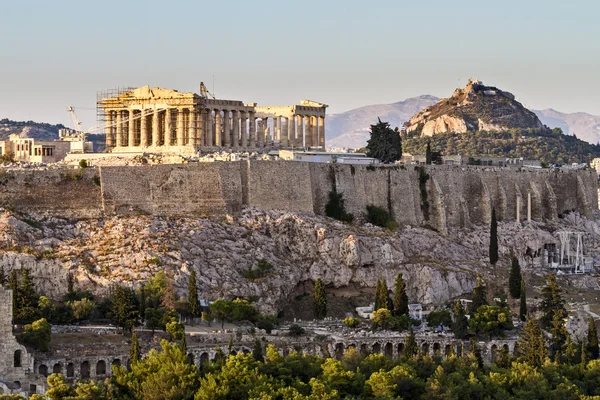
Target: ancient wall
column 442, row 197
column 68, row 193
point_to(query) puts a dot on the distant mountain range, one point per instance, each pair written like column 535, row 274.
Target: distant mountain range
column 351, row 128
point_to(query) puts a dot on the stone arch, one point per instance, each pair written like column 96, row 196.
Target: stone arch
column 506, row 348
column 388, row 350
column 515, row 351
column 459, row 349
column 204, row 360
column 190, row 359
column 232, row 353
column 17, row 359
column 448, row 350
column 400, row 348
column 218, row 356
column 493, row 353
column 101, row 367
column 245, row 351
column 57, row 368
column 84, row 370
column 116, row 362
column 437, row 348
column 339, row 351
column 285, row 351
column 425, row 348
column 70, row 370
column 43, row 370
column 376, row 348
column 17, row 384
column 364, row 349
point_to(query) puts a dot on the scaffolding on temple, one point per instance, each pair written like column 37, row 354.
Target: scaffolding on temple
column 102, row 96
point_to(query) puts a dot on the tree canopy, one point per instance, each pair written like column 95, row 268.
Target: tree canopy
column 385, row 143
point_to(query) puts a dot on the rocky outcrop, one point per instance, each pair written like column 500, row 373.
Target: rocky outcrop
column 475, row 108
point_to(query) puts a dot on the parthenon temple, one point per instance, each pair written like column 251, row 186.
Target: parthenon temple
column 165, row 120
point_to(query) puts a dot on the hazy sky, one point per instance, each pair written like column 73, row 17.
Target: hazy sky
column 344, row 53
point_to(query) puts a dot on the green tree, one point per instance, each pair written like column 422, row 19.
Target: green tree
column 70, row 285
column 193, row 302
column 400, row 297
column 38, row 334
column 523, row 302
column 134, row 350
column 514, row 280
column 82, row 309
column 221, row 310
column 384, row 143
column 479, row 294
column 428, row 154
column 142, row 302
column 3, row 279
column 154, row 319
column 439, row 318
column 123, row 309
column 493, row 239
column 551, row 300
column 58, row 389
column 320, row 299
column 381, row 317
column 257, row 351
column 531, row 343
column 559, row 338
column 13, row 284
column 175, row 329
column 382, row 299
column 410, row 344
column 490, row 321
column 460, row 325
column 592, row 340
column 335, row 207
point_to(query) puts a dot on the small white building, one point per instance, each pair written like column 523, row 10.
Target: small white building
column 43, row 151
column 327, row 157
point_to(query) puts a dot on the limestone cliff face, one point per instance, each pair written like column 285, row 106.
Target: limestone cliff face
column 301, row 248
column 476, row 107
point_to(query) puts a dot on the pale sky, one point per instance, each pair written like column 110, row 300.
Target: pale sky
column 344, row 53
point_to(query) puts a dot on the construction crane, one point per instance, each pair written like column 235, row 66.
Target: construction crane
column 204, row 91
column 76, row 122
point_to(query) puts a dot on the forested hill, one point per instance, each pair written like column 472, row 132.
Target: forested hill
column 36, row 130
column 549, row 146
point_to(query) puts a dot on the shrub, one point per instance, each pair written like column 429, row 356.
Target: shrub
column 351, row 322
column 82, row 309
column 266, row 322
column 83, row 163
column 336, row 209
column 263, row 267
column 37, row 334
column 380, row 217
column 296, row 330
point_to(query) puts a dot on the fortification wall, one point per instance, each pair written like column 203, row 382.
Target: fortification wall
column 443, row 197
column 68, row 193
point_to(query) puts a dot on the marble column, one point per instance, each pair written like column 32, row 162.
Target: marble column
column 245, row 118
column 300, row 131
column 119, row 128
column 168, row 127
column 292, row 141
column 218, row 128
column 209, row 128
column 277, row 129
column 252, row 128
column 201, row 128
column 313, row 131
column 144, row 128
column 179, row 130
column 156, row 128
column 322, row 132
column 131, row 129
column 109, row 129
column 236, row 128
column 285, row 132
column 227, row 130
column 307, row 135
column 260, row 135
column 191, row 127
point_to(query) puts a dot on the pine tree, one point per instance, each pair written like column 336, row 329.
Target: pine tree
column 592, row 340
column 27, row 290
column 400, row 297
column 123, row 309
column 257, row 351
column 193, row 302
column 531, row 344
column 570, row 351
column 514, row 280
column 410, row 344
column 385, row 143
column 551, row 300
column 479, row 294
column 134, row 351
column 460, row 325
column 559, row 338
column 523, row 306
column 320, row 299
column 428, row 154
column 493, row 239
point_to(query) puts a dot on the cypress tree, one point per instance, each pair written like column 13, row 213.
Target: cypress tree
column 70, row 289
column 378, row 301
column 514, row 280
column 493, row 239
column 551, row 300
column 13, row 284
column 2, row 276
column 230, row 346
column 385, row 143
column 134, row 351
column 193, row 302
column 592, row 340
column 320, row 299
column 583, row 356
column 475, row 354
column 428, row 154
column 410, row 344
column 257, row 351
column 531, row 344
column 523, row 307
column 400, row 297
column 479, row 294
column 559, row 338
column 460, row 325
column 143, row 303
column 386, row 301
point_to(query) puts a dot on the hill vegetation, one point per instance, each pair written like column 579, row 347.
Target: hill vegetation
column 37, row 130
column 549, row 146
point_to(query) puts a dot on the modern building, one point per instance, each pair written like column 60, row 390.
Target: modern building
column 167, row 121
column 327, row 157
column 475, row 160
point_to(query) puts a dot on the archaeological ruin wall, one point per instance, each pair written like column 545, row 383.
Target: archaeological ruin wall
column 441, row 197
